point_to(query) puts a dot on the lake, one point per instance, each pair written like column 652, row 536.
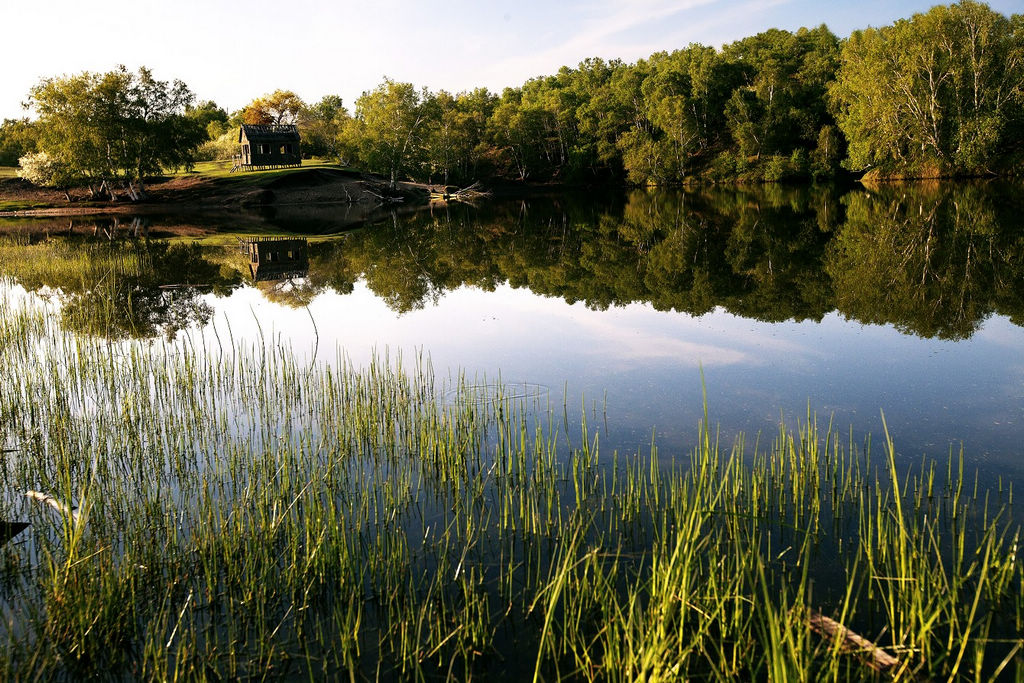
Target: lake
column 459, row 434
column 845, row 304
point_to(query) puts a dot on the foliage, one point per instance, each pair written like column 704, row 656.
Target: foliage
column 940, row 93
column 763, row 108
column 17, row 138
column 221, row 148
column 456, row 128
column 208, row 116
column 320, row 124
column 279, row 107
column 385, row 135
column 116, row 125
column 39, row 169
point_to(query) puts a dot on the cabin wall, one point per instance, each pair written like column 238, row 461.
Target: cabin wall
column 271, row 153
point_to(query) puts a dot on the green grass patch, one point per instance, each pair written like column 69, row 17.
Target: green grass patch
column 222, row 169
column 22, row 205
column 8, row 171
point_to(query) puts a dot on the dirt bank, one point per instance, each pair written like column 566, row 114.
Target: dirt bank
column 359, row 194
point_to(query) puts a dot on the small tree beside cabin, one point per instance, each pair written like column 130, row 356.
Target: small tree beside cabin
column 267, row 146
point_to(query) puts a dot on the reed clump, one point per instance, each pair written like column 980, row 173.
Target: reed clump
column 242, row 513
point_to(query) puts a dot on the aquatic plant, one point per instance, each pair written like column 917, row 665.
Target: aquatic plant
column 253, row 514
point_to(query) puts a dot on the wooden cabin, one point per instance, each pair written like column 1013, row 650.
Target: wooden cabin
column 267, row 146
column 276, row 258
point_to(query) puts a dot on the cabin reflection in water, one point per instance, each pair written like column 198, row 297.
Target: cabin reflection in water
column 276, row 258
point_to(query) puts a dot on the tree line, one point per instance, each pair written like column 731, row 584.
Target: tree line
column 938, row 94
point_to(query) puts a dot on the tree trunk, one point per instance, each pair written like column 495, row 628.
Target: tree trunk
column 107, row 188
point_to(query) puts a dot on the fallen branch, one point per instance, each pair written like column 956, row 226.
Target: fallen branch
column 878, row 659
column 466, row 194
column 384, row 199
column 54, row 503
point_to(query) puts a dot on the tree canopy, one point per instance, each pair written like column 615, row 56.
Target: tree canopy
column 117, row 125
column 279, row 107
column 386, row 132
column 939, row 93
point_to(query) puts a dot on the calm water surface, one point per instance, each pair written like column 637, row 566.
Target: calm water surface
column 844, row 304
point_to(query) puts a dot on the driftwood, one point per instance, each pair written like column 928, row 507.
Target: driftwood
column 473, row 191
column 136, row 193
column 465, row 194
column 60, row 507
column 384, row 199
column 877, row 658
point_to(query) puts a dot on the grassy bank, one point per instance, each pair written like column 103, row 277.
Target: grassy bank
column 211, row 189
column 240, row 513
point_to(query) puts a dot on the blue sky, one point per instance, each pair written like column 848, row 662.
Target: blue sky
column 316, row 47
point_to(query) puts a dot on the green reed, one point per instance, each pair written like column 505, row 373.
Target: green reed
column 243, row 513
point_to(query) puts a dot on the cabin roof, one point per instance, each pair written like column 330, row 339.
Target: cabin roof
column 268, row 133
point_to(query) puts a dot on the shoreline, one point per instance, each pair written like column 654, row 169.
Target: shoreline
column 252, row 197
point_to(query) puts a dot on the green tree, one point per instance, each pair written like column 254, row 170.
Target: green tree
column 455, row 128
column 17, row 138
column 115, row 126
column 514, row 129
column 780, row 105
column 939, row 93
column 208, row 116
column 320, row 125
column 681, row 97
column 385, row 133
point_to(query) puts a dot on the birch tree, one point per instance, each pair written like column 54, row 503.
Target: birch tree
column 940, row 93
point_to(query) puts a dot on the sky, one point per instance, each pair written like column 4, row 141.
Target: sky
column 232, row 52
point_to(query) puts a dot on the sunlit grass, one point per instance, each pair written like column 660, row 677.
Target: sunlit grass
column 246, row 514
column 222, row 169
column 23, row 205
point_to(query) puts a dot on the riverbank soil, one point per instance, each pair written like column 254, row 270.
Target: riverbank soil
column 199, row 192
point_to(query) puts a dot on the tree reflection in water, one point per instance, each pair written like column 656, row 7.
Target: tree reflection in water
column 933, row 260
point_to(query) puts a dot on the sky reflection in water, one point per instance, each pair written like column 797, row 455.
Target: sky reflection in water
column 642, row 368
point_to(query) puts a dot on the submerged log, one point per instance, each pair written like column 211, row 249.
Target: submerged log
column 60, row 507
column 877, row 658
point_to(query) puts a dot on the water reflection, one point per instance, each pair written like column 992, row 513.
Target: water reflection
column 113, row 282
column 276, row 258
column 622, row 303
column 932, row 260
